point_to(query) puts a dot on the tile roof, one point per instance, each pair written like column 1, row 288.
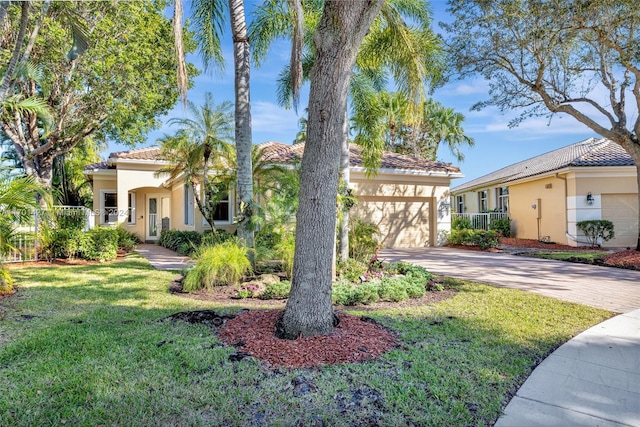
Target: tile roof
column 283, row 153
column 98, row 166
column 590, row 152
column 148, row 153
column 278, row 152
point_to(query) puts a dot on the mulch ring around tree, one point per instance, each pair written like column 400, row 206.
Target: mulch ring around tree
column 251, row 332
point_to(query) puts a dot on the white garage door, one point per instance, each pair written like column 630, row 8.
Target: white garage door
column 402, row 224
column 622, row 210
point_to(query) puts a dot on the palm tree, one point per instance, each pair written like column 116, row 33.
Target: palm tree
column 389, row 112
column 203, row 143
column 18, row 199
column 208, row 19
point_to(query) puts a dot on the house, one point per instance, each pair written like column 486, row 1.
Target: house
column 408, row 199
column 546, row 196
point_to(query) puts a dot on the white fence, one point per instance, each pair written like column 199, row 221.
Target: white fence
column 25, row 244
column 480, row 221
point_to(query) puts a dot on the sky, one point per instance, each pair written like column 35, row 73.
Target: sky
column 496, row 145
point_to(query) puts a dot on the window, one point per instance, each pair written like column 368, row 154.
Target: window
column 460, row 204
column 188, row 205
column 223, row 213
column 108, row 207
column 483, row 201
column 131, row 215
column 222, row 210
column 503, row 199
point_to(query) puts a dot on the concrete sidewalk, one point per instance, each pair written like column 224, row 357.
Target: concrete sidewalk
column 162, row 258
column 592, row 380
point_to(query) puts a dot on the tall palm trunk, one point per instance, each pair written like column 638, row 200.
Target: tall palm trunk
column 346, row 178
column 340, row 32
column 243, row 120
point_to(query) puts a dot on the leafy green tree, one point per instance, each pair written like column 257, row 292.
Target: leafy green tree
column 112, row 91
column 579, row 58
column 202, row 145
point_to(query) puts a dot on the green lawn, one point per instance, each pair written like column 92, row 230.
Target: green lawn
column 84, row 345
column 587, row 256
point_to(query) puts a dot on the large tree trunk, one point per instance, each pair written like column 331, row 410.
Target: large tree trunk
column 244, row 174
column 337, row 39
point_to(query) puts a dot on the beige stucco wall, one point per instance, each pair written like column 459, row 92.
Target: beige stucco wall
column 548, row 219
column 410, row 211
column 604, row 183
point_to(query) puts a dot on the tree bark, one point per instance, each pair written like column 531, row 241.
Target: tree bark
column 244, row 175
column 343, row 25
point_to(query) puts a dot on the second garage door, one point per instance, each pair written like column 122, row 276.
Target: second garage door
column 622, row 210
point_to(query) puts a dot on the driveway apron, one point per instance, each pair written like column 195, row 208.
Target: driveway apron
column 591, row 380
column 609, row 288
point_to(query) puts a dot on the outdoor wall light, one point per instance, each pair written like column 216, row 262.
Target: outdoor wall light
column 590, row 198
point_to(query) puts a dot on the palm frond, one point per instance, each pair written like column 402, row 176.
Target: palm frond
column 209, row 17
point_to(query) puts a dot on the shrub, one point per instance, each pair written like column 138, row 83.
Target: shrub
column 70, row 219
column 345, row 293
column 481, row 238
column 184, row 242
column 101, row 245
column 460, row 223
column 412, row 270
column 393, row 289
column 351, row 270
column 65, row 243
column 596, row 229
column 220, row 236
column 217, row 265
column 278, row 290
column 127, row 240
column 362, row 239
column 502, row 226
column 6, row 281
column 285, row 251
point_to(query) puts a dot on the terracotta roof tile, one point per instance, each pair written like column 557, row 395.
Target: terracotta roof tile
column 98, row 166
column 148, row 153
column 283, row 153
column 590, row 152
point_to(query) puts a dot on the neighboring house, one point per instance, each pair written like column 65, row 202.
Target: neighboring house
column 408, row 199
column 546, row 196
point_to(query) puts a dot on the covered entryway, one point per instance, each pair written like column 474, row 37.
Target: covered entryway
column 622, row 210
column 403, row 222
column 158, row 215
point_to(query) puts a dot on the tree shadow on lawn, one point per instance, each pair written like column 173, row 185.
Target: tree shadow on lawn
column 123, row 364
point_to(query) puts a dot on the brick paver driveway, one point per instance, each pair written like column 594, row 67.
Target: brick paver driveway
column 604, row 287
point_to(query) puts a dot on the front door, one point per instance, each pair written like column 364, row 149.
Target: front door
column 158, row 208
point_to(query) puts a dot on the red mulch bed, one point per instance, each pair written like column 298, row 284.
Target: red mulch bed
column 628, row 259
column 529, row 243
column 355, row 339
column 624, row 259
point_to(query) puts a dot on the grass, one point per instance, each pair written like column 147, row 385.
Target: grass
column 570, row 255
column 85, row 345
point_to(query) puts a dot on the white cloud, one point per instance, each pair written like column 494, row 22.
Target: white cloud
column 272, row 123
